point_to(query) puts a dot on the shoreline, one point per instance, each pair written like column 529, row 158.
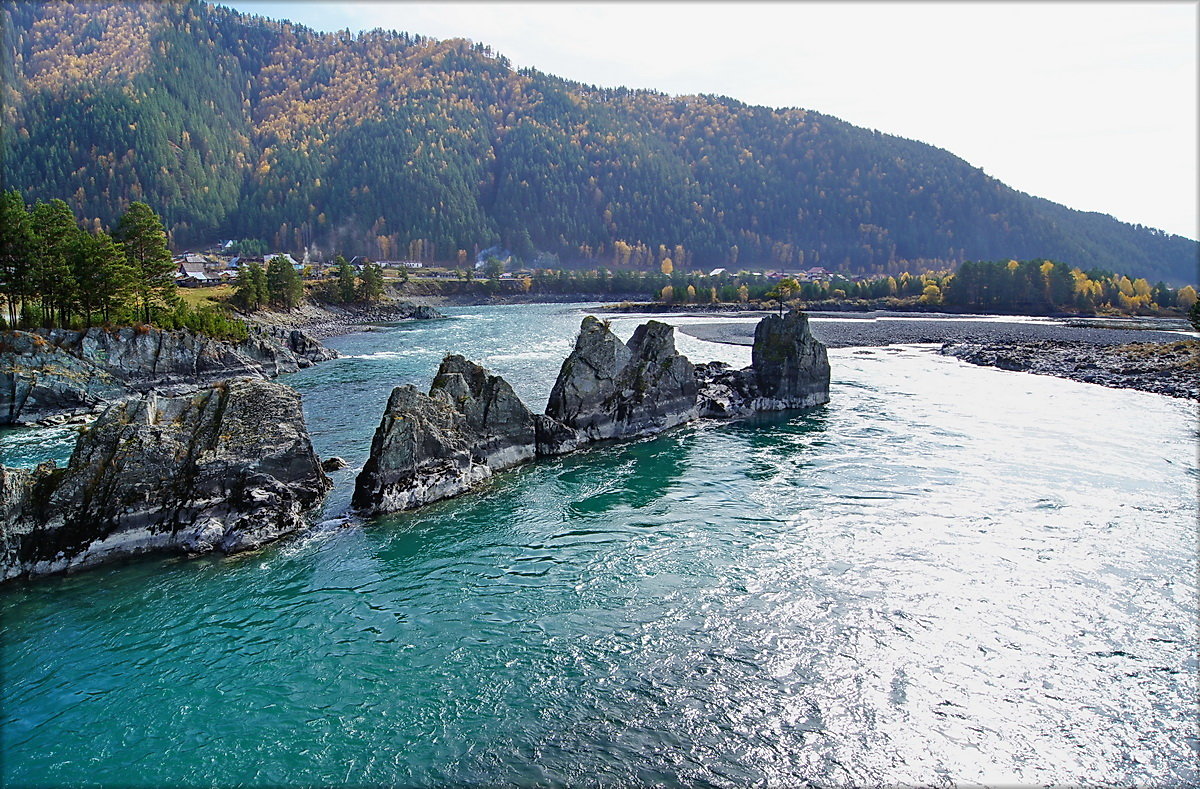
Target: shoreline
column 1146, row 359
column 322, row 321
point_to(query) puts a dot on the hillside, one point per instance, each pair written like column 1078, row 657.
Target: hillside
column 395, row 145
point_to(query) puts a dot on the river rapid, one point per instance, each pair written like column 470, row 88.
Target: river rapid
column 950, row 574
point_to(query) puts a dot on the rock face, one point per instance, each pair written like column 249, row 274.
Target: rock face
column 227, row 468
column 307, row 349
column 789, row 369
column 609, row 389
column 430, row 447
column 500, row 430
column 790, row 366
column 420, row 454
column 55, row 372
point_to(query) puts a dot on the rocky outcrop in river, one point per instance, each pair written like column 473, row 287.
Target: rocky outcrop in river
column 789, row 368
column 429, row 447
column 501, row 432
column 227, row 469
column 323, row 320
column 57, row 373
column 610, row 389
column 420, row 453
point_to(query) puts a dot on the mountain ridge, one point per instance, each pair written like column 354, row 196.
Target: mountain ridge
column 400, row 146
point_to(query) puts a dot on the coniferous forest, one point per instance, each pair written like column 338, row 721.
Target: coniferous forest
column 397, row 146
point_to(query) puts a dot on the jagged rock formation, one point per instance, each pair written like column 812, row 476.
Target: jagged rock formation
column 307, row 349
column 420, row 453
column 789, row 368
column 227, row 468
column 610, row 389
column 57, row 372
column 501, row 430
column 429, row 447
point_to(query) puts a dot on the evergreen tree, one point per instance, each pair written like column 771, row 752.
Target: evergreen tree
column 104, row 278
column 258, row 275
column 16, row 252
column 57, row 236
column 141, row 234
column 345, row 279
column 284, row 288
column 250, row 288
column 371, row 283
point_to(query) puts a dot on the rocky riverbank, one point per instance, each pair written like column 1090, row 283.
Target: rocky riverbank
column 226, row 469
column 322, row 321
column 54, row 375
column 843, row 331
column 1171, row 369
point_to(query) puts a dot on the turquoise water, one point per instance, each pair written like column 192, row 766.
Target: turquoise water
column 948, row 574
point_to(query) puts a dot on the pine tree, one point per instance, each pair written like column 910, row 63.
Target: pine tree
column 284, row 287
column 250, row 288
column 141, row 234
column 56, row 235
column 371, row 283
column 345, row 279
column 16, row 251
column 103, row 275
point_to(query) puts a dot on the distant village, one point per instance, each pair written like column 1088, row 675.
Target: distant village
column 218, row 265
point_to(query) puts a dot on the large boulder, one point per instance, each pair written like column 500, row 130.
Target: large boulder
column 420, row 453
column 789, row 369
column 609, row 389
column 227, row 468
column 52, row 372
column 499, row 429
column 430, row 447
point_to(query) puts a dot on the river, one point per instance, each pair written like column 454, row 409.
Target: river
column 949, row 575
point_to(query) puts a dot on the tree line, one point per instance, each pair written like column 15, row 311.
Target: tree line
column 1036, row 286
column 53, row 273
column 279, row 285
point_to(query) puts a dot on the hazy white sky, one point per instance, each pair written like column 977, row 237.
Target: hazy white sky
column 1093, row 105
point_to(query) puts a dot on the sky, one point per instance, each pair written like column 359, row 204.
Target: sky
column 1089, row 104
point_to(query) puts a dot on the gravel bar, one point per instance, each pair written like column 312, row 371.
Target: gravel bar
column 844, row 332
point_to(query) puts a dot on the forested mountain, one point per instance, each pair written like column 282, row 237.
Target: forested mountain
column 395, row 145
